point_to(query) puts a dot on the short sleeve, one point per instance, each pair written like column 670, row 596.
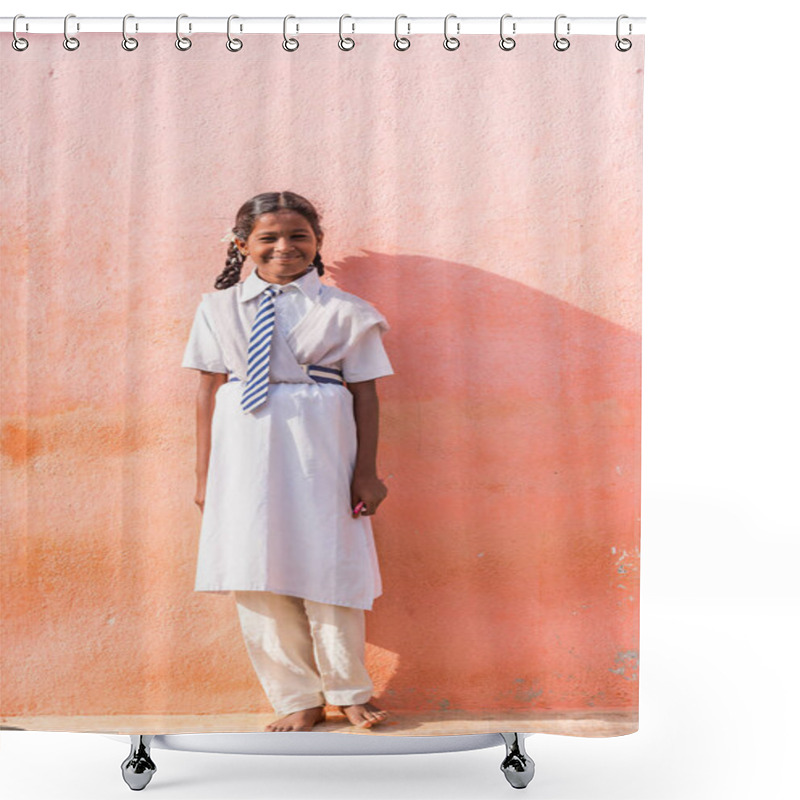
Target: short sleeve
column 366, row 358
column 203, row 349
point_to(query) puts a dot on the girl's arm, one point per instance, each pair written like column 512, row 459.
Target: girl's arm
column 206, row 392
column 366, row 485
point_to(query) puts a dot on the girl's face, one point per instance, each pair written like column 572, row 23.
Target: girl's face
column 282, row 245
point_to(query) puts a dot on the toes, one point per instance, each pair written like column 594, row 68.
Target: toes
column 303, row 723
column 364, row 715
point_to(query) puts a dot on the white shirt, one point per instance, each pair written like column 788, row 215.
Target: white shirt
column 364, row 360
column 294, row 301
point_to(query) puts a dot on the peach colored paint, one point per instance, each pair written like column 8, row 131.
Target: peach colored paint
column 489, row 203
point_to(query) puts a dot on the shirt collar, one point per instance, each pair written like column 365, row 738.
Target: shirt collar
column 309, row 284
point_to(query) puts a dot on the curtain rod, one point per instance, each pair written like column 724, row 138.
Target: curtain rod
column 457, row 26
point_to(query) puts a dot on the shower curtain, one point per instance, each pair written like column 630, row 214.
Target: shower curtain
column 483, row 207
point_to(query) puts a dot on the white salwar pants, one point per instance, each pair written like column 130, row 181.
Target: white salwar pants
column 306, row 654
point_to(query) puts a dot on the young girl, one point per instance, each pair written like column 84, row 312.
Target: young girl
column 287, row 436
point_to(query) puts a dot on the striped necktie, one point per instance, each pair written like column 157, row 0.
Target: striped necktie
column 257, row 384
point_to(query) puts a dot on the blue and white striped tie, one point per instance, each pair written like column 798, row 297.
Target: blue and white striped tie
column 257, row 384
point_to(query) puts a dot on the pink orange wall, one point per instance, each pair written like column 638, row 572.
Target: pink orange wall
column 488, row 203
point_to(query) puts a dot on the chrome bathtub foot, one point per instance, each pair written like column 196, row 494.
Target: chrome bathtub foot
column 138, row 767
column 517, row 766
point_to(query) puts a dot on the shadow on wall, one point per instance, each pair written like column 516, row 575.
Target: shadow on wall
column 509, row 540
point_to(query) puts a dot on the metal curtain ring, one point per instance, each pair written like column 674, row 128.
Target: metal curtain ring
column 181, row 42
column 348, row 43
column 506, row 42
column 70, row 42
column 290, row 45
column 560, row 42
column 128, row 42
column 623, row 45
column 406, row 43
column 234, row 45
column 451, row 42
column 17, row 42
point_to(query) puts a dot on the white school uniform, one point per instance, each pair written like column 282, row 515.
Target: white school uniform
column 277, row 513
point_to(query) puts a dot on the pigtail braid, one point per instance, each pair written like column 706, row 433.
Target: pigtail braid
column 233, row 268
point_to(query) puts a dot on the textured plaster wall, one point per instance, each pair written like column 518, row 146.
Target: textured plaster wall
column 487, row 202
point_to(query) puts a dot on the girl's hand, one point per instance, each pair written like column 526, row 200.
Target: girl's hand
column 369, row 490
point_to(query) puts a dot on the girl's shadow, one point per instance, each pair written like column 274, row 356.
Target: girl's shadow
column 511, row 430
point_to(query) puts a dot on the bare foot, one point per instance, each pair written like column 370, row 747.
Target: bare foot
column 299, row 721
column 364, row 716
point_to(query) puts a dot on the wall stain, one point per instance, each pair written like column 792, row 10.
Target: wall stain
column 19, row 443
column 628, row 661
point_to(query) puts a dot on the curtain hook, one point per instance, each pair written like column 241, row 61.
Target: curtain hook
column 451, row 42
column 348, row 43
column 18, row 43
column 128, row 42
column 290, row 45
column 560, row 42
column 234, row 45
column 182, row 42
column 623, row 45
column 70, row 42
column 406, row 42
column 506, row 42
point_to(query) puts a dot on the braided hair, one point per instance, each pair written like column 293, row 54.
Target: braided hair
column 266, row 203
